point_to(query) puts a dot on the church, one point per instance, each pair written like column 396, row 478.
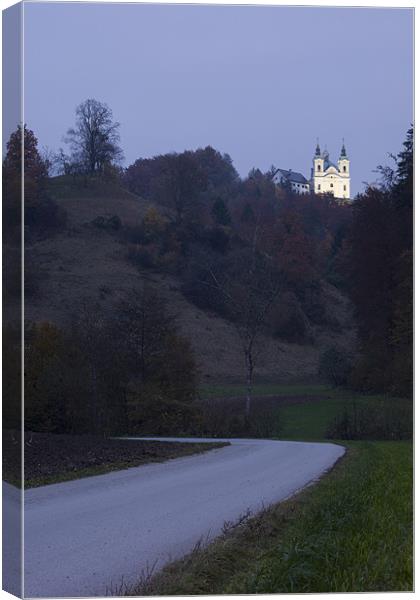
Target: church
column 326, row 177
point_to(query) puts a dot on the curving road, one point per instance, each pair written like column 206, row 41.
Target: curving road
column 86, row 536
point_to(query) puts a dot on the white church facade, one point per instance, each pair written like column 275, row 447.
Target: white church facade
column 326, row 177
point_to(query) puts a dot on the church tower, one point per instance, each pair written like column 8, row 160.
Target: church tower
column 328, row 178
column 318, row 168
column 344, row 169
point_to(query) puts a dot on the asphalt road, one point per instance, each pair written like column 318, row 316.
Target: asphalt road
column 86, row 537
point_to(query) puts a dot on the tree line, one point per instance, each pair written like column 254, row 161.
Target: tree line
column 104, row 373
column 377, row 261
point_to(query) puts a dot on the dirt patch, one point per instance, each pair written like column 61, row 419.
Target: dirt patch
column 52, row 457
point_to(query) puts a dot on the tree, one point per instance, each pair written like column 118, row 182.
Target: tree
column 161, row 363
column 249, row 284
column 42, row 214
column 182, row 182
column 220, row 172
column 35, row 173
column 220, row 212
column 378, row 266
column 94, row 140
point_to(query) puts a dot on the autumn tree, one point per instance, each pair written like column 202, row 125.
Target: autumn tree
column 94, row 139
column 35, row 173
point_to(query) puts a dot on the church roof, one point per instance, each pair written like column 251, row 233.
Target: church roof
column 292, row 176
column 328, row 163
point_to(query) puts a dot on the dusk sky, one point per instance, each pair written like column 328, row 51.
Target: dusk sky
column 260, row 83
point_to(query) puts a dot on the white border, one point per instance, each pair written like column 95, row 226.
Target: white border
column 309, row 3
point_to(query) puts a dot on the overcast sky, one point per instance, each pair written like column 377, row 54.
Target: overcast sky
column 260, row 83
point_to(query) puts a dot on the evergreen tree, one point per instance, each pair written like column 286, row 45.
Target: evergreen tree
column 220, row 212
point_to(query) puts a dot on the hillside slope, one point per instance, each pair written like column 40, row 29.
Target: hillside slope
column 87, row 265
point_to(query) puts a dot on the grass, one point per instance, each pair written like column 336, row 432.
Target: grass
column 263, row 389
column 308, row 421
column 351, row 532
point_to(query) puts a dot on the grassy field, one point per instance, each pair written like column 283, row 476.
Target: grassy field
column 351, row 532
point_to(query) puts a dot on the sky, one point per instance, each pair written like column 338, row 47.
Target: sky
column 260, row 83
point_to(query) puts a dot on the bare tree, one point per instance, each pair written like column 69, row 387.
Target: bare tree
column 249, row 288
column 94, row 140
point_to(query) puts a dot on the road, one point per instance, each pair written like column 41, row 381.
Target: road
column 84, row 537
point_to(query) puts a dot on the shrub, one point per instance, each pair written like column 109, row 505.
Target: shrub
column 390, row 420
column 141, row 256
column 44, row 217
column 12, row 376
column 107, row 222
column 335, row 366
column 288, row 321
column 218, row 239
column 226, row 417
column 152, row 411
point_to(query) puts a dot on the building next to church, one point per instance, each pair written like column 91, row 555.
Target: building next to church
column 296, row 182
column 326, row 177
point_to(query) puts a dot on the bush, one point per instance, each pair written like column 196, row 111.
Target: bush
column 372, row 371
column 218, row 239
column 107, row 222
column 152, row 411
column 335, row 366
column 44, row 217
column 198, row 288
column 141, row 256
column 12, row 376
column 288, row 321
column 226, row 417
column 390, row 420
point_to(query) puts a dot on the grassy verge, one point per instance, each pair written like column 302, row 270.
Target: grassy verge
column 53, row 458
column 351, row 532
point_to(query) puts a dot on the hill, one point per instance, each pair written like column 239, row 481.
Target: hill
column 87, row 264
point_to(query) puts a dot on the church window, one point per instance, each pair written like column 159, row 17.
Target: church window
column 344, row 168
column 345, row 188
column 331, row 185
column 319, row 167
column 319, row 186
